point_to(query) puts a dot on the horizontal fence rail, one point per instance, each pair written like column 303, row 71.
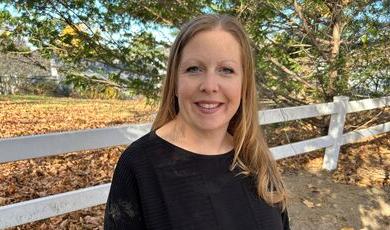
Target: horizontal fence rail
column 295, row 113
column 27, row 147
column 45, row 207
column 296, row 148
column 360, row 134
column 367, row 104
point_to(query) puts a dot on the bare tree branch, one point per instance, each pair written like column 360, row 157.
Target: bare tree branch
column 308, row 29
column 158, row 16
column 290, row 73
column 102, row 81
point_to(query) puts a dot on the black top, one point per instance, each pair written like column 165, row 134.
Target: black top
column 157, row 185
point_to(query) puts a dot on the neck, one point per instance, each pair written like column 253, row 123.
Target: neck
column 202, row 141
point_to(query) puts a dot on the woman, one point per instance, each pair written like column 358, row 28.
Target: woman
column 205, row 164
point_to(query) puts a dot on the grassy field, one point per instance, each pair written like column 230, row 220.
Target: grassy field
column 28, row 115
column 363, row 164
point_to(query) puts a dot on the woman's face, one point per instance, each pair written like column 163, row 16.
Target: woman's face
column 209, row 81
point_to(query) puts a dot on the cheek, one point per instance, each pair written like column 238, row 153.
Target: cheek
column 184, row 89
column 237, row 98
column 235, row 91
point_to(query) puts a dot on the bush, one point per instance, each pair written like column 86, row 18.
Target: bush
column 38, row 87
column 97, row 92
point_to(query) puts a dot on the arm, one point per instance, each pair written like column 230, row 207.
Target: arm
column 123, row 209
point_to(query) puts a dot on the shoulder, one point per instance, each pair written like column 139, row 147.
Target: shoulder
column 140, row 150
column 132, row 163
column 140, row 143
column 135, row 150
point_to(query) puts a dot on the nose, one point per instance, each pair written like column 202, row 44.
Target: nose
column 209, row 83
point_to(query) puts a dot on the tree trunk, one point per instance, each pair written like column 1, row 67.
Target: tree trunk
column 337, row 27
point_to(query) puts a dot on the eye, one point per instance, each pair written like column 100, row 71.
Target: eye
column 193, row 69
column 227, row 70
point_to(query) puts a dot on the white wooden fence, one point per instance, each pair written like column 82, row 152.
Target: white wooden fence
column 27, row 147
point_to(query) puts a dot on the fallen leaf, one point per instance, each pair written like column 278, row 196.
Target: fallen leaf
column 308, row 203
column 2, row 200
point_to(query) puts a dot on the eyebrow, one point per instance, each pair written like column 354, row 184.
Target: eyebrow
column 191, row 60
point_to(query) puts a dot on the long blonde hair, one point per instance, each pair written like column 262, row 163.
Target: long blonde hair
column 252, row 154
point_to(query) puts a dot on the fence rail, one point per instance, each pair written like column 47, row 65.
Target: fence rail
column 27, row 147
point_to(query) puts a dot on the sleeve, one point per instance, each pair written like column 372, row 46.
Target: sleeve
column 285, row 220
column 123, row 209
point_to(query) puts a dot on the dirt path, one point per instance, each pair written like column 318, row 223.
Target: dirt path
column 316, row 202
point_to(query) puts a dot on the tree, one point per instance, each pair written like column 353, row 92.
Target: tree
column 312, row 50
column 81, row 34
column 308, row 51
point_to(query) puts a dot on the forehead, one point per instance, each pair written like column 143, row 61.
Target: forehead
column 212, row 45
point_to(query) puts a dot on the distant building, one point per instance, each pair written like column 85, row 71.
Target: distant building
column 18, row 72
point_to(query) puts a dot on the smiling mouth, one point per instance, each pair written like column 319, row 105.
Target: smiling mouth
column 207, row 108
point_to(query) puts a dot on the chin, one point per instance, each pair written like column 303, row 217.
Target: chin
column 212, row 127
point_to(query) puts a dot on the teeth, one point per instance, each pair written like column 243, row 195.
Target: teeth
column 209, row 106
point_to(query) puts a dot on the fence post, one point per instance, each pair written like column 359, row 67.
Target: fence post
column 335, row 132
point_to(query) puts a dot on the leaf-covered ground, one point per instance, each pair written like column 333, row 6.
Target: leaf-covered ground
column 314, row 193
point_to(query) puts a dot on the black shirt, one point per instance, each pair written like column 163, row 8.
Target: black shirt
column 157, row 185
